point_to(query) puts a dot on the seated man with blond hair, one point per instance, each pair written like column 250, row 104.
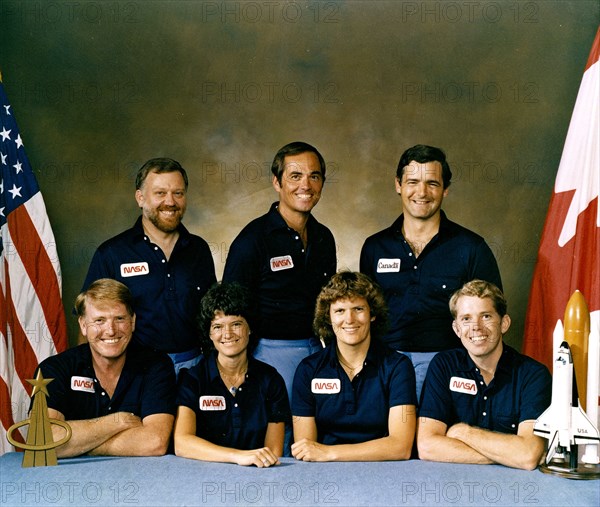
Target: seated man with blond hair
column 479, row 403
column 119, row 399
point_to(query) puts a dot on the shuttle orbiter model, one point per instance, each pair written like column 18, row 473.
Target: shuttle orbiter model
column 565, row 423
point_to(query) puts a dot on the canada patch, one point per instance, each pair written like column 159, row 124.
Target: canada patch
column 212, row 403
column 85, row 384
column 134, row 269
column 283, row 262
column 388, row 266
column 463, row 385
column 325, row 385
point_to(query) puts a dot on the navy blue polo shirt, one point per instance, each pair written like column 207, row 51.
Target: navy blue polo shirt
column 454, row 391
column 349, row 412
column 269, row 258
column 417, row 290
column 146, row 385
column 166, row 294
column 238, row 421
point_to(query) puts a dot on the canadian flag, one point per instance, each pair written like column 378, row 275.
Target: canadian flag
column 569, row 253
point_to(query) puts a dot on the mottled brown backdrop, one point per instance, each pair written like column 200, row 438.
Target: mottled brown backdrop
column 100, row 87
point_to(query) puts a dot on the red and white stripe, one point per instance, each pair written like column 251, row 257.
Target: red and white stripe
column 32, row 320
column 569, row 252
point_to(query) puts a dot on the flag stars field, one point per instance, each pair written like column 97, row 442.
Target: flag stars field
column 15, row 191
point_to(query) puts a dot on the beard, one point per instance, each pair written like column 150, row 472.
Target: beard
column 162, row 223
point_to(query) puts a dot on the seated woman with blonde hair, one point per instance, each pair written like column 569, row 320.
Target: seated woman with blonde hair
column 231, row 407
column 355, row 400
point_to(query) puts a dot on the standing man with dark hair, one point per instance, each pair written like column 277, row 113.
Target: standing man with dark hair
column 423, row 258
column 167, row 269
column 284, row 258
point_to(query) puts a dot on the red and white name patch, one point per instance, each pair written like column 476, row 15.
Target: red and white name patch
column 283, row 262
column 212, row 403
column 82, row 384
column 325, row 385
column 463, row 385
column 388, row 266
column 134, row 269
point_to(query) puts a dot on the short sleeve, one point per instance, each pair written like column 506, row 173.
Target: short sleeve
column 303, row 401
column 188, row 392
column 485, row 266
column 278, row 405
column 243, row 264
column 536, row 393
column 98, row 269
column 59, row 388
column 159, row 388
column 436, row 400
column 366, row 263
column 402, row 383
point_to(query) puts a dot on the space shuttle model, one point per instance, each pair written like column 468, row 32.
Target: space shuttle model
column 565, row 423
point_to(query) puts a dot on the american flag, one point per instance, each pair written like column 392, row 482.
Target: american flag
column 32, row 318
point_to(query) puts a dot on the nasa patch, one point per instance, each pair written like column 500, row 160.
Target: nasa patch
column 463, row 385
column 134, row 269
column 283, row 262
column 85, row 384
column 325, row 385
column 212, row 403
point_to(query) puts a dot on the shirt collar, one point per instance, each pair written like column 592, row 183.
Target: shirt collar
column 84, row 359
column 444, row 223
column 85, row 362
column 507, row 360
column 504, row 365
column 213, row 369
column 376, row 351
column 275, row 221
column 465, row 363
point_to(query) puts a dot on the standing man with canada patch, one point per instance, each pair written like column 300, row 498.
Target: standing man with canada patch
column 167, row 269
column 423, row 258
